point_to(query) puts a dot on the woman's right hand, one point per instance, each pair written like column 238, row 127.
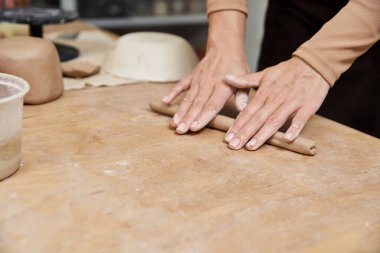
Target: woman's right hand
column 207, row 91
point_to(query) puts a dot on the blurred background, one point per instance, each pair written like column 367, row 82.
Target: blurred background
column 185, row 18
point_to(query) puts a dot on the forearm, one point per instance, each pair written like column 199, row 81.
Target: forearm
column 207, row 92
column 218, row 5
column 227, row 31
column 343, row 39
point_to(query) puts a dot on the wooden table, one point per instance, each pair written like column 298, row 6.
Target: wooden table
column 102, row 173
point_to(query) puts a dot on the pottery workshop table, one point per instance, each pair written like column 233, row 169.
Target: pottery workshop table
column 102, row 173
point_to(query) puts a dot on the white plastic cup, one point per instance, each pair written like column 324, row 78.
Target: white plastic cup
column 12, row 92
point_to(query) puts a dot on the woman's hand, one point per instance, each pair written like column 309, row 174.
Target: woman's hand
column 291, row 89
column 207, row 91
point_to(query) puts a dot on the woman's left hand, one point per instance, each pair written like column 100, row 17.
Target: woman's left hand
column 291, row 89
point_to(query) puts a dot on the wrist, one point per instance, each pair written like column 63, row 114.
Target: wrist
column 227, row 31
column 307, row 69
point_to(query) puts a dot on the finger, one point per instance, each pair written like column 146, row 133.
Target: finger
column 245, row 81
column 271, row 126
column 252, row 126
column 241, row 99
column 180, row 87
column 181, row 127
column 184, row 106
column 213, row 106
column 254, row 106
column 298, row 123
column 196, row 108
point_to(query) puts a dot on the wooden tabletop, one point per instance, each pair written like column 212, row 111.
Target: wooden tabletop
column 102, row 173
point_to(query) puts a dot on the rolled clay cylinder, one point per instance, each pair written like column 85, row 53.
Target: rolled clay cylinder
column 220, row 122
column 35, row 60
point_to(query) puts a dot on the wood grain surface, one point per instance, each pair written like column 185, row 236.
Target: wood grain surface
column 102, row 173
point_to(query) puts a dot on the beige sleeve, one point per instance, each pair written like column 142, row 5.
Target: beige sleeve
column 219, row 5
column 344, row 38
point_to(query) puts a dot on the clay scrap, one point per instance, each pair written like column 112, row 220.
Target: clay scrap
column 79, row 69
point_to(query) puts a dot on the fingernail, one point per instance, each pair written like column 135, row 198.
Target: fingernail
column 175, row 119
column 194, row 125
column 243, row 105
column 235, row 143
column 181, row 127
column 231, row 77
column 288, row 136
column 245, row 82
column 165, row 99
column 251, row 145
column 229, row 137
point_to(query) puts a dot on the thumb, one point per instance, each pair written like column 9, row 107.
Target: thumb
column 244, row 81
column 241, row 99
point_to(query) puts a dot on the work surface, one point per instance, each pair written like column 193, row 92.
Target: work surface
column 102, row 173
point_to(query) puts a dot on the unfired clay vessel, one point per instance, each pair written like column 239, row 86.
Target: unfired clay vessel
column 151, row 56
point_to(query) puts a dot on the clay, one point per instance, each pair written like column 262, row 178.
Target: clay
column 151, row 56
column 35, row 60
column 220, row 122
column 79, row 69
